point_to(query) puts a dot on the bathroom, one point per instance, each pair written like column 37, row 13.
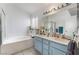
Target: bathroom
column 38, row 28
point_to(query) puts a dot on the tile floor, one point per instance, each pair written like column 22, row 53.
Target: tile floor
column 30, row 51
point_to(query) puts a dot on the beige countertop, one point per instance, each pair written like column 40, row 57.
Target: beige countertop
column 55, row 39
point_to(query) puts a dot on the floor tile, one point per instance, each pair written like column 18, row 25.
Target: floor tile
column 30, row 51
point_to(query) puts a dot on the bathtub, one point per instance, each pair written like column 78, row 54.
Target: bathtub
column 16, row 44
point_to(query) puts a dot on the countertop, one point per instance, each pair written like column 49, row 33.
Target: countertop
column 55, row 39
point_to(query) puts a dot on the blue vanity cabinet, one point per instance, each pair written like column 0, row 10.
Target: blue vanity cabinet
column 45, row 47
column 38, row 44
column 48, row 47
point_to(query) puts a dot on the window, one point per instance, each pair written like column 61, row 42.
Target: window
column 35, row 22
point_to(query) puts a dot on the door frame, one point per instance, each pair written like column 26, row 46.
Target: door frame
column 0, row 27
column 3, row 25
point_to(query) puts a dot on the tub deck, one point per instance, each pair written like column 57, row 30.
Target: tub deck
column 13, row 45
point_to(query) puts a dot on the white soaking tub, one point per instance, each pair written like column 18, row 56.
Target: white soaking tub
column 13, row 45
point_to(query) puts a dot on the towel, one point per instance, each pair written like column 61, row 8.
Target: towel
column 71, row 47
column 0, row 41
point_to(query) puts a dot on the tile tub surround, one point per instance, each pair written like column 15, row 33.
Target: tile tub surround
column 10, row 47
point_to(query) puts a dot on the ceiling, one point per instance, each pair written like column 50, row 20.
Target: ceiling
column 33, row 8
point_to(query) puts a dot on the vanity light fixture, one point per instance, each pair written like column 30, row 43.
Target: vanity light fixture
column 62, row 5
column 68, row 4
column 54, row 8
column 57, row 8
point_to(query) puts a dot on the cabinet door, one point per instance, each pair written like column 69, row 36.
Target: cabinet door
column 38, row 46
column 45, row 49
column 50, row 50
column 54, row 51
column 38, row 38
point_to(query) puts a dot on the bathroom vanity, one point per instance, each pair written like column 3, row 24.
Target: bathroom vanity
column 50, row 45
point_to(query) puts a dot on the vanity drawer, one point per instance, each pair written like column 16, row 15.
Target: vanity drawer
column 38, row 46
column 51, row 51
column 45, row 41
column 38, row 38
column 45, row 49
column 59, row 46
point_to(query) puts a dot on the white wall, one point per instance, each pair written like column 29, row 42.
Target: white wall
column 16, row 21
column 71, row 26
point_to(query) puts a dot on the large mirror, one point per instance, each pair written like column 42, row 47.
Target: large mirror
column 64, row 22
